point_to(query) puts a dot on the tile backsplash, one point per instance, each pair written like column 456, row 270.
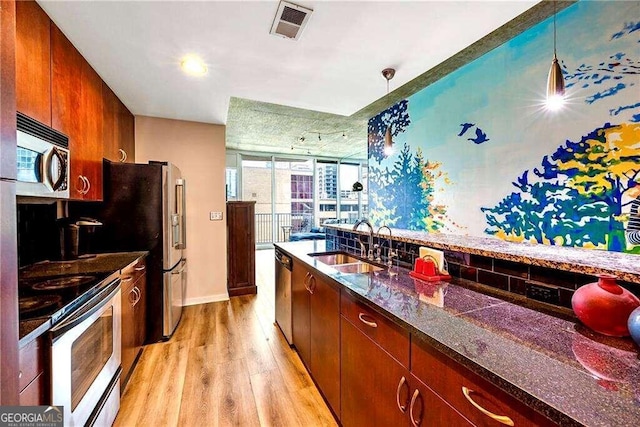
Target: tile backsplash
column 548, row 285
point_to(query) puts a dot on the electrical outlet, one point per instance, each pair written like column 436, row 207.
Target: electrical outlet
column 215, row 216
column 543, row 292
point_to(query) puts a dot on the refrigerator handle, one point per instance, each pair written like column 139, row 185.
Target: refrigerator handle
column 181, row 208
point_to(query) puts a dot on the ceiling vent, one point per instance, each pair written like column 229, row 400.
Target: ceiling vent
column 290, row 20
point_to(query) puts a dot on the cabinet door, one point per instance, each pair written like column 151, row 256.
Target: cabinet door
column 66, row 76
column 427, row 409
column 325, row 339
column 110, row 132
column 126, row 133
column 90, row 146
column 76, row 110
column 375, row 388
column 128, row 347
column 33, row 61
column 300, row 312
column 241, row 247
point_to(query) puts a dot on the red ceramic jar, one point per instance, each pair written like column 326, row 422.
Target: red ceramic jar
column 604, row 306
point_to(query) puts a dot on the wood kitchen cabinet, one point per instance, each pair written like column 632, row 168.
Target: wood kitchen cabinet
column 373, row 389
column 133, row 297
column 33, row 61
column 32, row 376
column 241, row 248
column 377, row 390
column 316, row 330
column 117, row 128
column 484, row 405
column 76, row 110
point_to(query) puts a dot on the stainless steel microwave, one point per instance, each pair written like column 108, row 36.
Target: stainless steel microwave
column 42, row 160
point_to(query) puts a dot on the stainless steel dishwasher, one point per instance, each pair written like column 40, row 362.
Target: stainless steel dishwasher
column 283, row 294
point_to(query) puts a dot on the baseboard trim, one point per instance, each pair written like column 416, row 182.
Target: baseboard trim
column 206, row 299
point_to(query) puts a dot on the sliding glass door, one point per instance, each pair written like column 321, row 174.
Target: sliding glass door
column 295, row 195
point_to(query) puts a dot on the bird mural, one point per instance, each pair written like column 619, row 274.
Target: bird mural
column 465, row 127
column 480, row 137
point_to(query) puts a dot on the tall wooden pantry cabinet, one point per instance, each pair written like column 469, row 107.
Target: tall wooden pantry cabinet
column 241, row 248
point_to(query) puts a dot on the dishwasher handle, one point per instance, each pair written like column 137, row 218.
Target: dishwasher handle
column 285, row 260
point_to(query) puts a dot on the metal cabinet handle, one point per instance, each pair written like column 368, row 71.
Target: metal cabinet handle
column 88, row 185
column 141, row 268
column 403, row 408
column 415, row 396
column 19, row 374
column 503, row 419
column 138, row 295
column 307, row 277
column 84, row 185
column 127, row 279
column 123, row 155
column 132, row 301
column 312, row 287
column 367, row 322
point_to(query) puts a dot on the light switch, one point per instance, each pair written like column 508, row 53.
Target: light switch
column 215, row 216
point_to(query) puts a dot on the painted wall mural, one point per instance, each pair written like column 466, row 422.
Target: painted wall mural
column 478, row 153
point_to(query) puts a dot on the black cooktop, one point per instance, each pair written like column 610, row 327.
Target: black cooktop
column 47, row 291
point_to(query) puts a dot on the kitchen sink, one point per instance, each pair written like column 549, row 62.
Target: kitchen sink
column 345, row 263
column 335, row 258
column 358, row 267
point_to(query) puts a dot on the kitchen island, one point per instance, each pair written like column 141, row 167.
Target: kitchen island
column 553, row 365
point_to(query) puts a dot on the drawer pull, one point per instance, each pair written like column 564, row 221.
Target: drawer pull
column 19, row 374
column 503, row 419
column 139, row 268
column 307, row 277
column 403, row 408
column 127, row 279
column 414, row 422
column 312, row 287
column 367, row 322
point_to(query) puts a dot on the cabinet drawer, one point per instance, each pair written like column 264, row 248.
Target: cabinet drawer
column 381, row 330
column 484, row 403
column 31, row 362
column 34, row 394
column 132, row 272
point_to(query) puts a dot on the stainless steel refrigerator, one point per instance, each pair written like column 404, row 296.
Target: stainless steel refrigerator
column 144, row 209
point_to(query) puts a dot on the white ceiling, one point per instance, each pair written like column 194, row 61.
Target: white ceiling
column 136, row 47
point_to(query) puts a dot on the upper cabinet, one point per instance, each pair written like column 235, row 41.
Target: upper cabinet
column 117, row 128
column 76, row 110
column 33, row 61
column 58, row 87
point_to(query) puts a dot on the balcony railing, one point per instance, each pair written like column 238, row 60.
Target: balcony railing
column 287, row 223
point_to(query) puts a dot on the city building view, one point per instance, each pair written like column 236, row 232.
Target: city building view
column 298, row 196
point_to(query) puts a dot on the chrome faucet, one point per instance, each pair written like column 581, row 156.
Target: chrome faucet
column 390, row 253
column 363, row 251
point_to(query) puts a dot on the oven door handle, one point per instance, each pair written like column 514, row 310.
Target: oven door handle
column 86, row 311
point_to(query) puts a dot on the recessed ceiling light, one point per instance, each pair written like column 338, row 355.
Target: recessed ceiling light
column 193, row 65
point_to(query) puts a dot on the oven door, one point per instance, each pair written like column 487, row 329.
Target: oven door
column 85, row 357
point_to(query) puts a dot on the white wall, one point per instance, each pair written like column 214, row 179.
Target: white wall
column 198, row 149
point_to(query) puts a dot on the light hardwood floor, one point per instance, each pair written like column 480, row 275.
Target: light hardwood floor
column 226, row 365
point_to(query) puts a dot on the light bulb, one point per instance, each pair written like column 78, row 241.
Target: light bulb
column 555, row 102
column 194, row 66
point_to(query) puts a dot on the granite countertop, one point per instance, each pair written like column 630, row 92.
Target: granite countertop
column 578, row 260
column 106, row 264
column 563, row 370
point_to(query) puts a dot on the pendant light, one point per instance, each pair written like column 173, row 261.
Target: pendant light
column 555, row 80
column 388, row 74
